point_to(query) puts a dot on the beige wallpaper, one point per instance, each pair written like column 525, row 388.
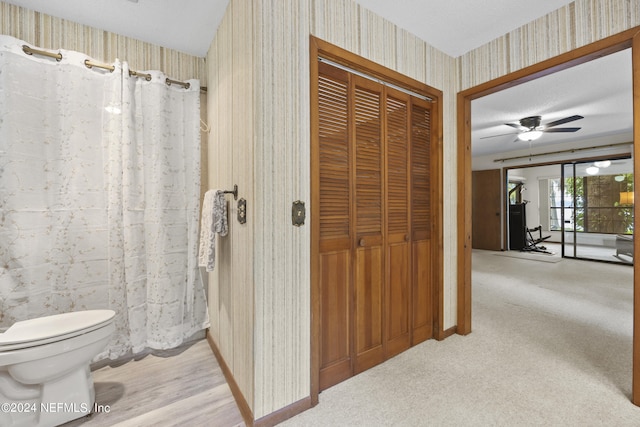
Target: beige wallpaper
column 49, row 32
column 278, row 148
column 282, row 176
column 577, row 24
column 231, row 155
column 268, row 135
column 257, row 71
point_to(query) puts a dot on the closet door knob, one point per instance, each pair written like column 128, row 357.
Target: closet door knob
column 361, row 242
column 406, row 237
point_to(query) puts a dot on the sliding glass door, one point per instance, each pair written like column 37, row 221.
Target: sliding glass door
column 572, row 209
column 596, row 210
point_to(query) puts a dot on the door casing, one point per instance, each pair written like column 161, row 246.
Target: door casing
column 624, row 40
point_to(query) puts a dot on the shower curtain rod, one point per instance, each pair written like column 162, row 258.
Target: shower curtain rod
column 90, row 64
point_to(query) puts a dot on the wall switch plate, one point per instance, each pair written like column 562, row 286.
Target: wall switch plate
column 298, row 213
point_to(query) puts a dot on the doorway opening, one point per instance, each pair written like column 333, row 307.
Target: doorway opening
column 578, row 56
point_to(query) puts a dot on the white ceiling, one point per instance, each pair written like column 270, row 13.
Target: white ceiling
column 600, row 91
column 459, row 26
column 185, row 25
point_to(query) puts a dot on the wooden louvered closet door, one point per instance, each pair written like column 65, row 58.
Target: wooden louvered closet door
column 335, row 229
column 368, row 222
column 374, row 223
column 398, row 241
column 421, row 220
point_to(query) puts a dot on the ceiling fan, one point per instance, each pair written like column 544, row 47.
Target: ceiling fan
column 529, row 128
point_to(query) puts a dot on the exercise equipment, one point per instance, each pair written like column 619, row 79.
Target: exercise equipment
column 520, row 236
column 532, row 242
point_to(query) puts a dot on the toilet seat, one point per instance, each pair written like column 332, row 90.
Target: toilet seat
column 44, row 330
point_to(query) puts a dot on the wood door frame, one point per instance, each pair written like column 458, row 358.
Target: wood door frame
column 319, row 48
column 624, row 40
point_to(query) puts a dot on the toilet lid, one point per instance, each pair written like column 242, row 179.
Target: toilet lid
column 41, row 330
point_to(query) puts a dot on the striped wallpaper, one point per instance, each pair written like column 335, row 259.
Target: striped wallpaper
column 275, row 147
column 264, row 134
column 575, row 25
column 49, row 32
column 232, row 146
column 257, row 71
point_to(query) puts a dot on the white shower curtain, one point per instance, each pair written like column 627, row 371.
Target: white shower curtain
column 99, row 197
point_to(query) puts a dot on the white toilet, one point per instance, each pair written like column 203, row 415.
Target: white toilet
column 44, row 367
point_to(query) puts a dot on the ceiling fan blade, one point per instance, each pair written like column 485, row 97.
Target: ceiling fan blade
column 502, row 134
column 517, row 126
column 561, row 130
column 563, row 121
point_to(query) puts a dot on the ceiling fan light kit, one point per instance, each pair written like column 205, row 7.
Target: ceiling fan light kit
column 530, row 135
column 529, row 128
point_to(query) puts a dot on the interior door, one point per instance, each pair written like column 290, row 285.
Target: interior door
column 398, row 242
column 372, row 175
column 487, row 210
column 335, row 196
column 369, row 217
column 421, row 220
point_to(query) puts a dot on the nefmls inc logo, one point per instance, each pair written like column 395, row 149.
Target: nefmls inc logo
column 53, row 407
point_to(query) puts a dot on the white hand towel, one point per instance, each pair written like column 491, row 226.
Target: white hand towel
column 213, row 221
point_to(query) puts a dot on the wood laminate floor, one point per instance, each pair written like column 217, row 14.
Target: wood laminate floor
column 184, row 387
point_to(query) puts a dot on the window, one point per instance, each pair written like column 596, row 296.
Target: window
column 593, row 204
column 515, row 195
column 608, row 209
column 555, row 196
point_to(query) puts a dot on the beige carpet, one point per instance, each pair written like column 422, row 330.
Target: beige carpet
column 551, row 346
column 532, row 256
